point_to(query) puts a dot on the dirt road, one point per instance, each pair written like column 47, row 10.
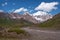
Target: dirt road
column 37, row 34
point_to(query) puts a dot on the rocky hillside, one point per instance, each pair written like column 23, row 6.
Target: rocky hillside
column 26, row 16
column 52, row 23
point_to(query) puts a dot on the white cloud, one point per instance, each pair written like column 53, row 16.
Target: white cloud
column 3, row 4
column 1, row 11
column 20, row 10
column 47, row 6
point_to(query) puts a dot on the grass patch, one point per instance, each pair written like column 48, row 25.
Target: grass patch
column 14, row 23
column 17, row 30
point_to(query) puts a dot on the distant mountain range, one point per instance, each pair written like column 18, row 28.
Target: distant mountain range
column 27, row 19
column 26, row 16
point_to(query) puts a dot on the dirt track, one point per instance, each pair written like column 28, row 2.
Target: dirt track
column 37, row 34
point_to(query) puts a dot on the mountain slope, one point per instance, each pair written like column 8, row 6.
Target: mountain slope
column 15, row 16
column 52, row 23
column 3, row 15
column 34, row 18
column 13, row 20
column 28, row 17
column 42, row 16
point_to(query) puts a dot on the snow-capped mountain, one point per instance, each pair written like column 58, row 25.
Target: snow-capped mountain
column 42, row 16
column 15, row 16
column 3, row 14
column 26, row 16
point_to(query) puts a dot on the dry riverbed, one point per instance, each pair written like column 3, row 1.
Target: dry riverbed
column 33, row 34
column 37, row 34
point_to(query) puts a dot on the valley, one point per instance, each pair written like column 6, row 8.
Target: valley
column 25, row 27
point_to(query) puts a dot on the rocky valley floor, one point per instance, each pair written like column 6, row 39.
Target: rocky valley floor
column 37, row 34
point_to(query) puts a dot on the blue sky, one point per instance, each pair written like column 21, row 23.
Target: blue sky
column 9, row 5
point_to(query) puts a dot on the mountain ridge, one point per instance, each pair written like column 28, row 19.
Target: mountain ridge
column 26, row 16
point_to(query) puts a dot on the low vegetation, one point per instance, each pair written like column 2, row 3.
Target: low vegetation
column 17, row 30
column 11, row 28
column 13, row 23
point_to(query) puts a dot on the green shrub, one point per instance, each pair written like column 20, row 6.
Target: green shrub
column 17, row 30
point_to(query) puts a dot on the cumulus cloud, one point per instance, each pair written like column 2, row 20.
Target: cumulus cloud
column 47, row 6
column 20, row 10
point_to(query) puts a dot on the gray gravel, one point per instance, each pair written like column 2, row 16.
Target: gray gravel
column 37, row 34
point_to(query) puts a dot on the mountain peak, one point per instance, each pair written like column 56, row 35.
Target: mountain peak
column 42, row 16
column 26, row 13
